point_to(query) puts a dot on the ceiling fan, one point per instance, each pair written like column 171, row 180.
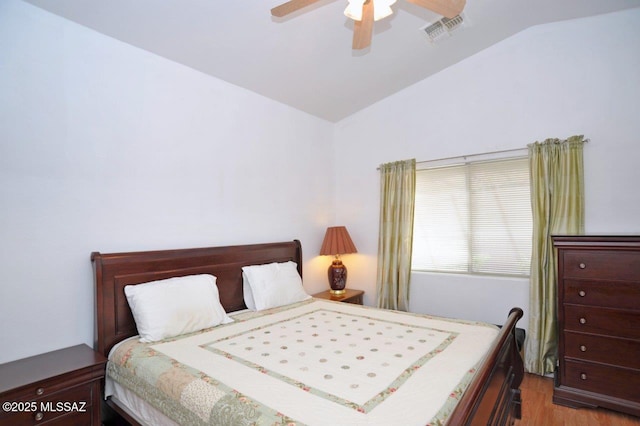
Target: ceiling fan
column 364, row 14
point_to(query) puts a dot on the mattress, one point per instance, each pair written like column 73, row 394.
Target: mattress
column 311, row 363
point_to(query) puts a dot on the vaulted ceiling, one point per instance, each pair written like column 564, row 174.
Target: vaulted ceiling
column 305, row 60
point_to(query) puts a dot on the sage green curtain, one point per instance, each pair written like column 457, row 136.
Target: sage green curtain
column 395, row 239
column 557, row 202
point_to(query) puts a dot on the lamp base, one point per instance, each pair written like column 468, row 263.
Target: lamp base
column 337, row 292
column 337, row 277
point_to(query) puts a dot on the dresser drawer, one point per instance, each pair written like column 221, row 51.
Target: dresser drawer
column 601, row 264
column 607, row 350
column 605, row 321
column 612, row 381
column 622, row 295
column 75, row 402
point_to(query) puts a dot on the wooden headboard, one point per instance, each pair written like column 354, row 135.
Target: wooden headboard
column 114, row 321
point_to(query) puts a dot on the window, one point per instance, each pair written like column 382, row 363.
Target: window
column 473, row 218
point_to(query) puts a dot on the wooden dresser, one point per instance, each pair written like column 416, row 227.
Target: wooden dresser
column 598, row 322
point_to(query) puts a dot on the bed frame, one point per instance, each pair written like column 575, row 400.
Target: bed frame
column 492, row 398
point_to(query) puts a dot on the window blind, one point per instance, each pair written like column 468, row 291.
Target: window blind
column 473, row 218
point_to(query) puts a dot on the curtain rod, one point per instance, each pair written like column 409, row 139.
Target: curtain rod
column 504, row 151
column 467, row 156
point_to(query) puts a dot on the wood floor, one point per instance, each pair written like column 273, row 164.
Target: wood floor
column 537, row 409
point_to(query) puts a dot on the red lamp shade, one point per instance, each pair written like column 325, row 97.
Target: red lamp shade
column 337, row 241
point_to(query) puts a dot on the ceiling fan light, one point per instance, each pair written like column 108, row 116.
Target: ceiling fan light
column 383, row 3
column 354, row 10
column 381, row 9
column 381, row 12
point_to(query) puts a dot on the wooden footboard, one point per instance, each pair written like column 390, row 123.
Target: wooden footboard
column 493, row 397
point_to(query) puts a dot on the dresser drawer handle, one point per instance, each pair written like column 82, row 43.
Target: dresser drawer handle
column 582, row 293
column 40, row 391
column 39, row 416
column 582, row 266
column 583, row 348
column 583, row 376
column 583, row 320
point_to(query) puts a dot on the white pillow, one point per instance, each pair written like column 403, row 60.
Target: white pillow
column 273, row 285
column 247, row 293
column 175, row 306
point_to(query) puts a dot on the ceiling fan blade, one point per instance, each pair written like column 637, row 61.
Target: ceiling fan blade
column 363, row 29
column 290, row 7
column 447, row 8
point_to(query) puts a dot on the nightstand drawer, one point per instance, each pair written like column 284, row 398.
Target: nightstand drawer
column 356, row 300
column 48, row 388
column 71, row 418
column 68, row 403
column 349, row 296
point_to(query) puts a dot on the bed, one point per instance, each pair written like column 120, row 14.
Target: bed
column 487, row 392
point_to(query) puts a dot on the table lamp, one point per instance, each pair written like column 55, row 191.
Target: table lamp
column 336, row 242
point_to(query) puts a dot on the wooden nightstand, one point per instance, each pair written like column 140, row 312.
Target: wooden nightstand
column 60, row 388
column 350, row 296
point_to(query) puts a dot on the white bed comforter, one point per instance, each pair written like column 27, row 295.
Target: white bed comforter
column 316, row 362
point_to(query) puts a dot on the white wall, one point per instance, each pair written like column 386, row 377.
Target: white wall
column 105, row 147
column 556, row 80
